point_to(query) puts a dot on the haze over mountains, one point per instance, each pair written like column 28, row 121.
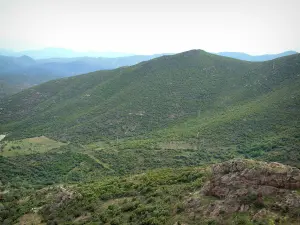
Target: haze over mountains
column 255, row 58
column 48, row 53
column 19, row 72
column 60, row 53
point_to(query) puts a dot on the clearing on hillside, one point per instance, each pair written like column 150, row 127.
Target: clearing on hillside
column 29, row 146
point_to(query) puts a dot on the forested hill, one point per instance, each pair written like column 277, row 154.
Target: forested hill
column 151, row 95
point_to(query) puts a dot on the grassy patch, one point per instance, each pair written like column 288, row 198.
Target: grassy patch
column 29, row 146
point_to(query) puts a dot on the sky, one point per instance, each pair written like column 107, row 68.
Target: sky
column 156, row 26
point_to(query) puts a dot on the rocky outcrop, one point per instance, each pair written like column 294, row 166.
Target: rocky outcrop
column 247, row 185
column 237, row 178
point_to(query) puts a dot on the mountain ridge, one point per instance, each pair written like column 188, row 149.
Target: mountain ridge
column 152, row 95
column 18, row 73
column 61, row 52
column 256, row 58
column 68, row 53
column 23, row 72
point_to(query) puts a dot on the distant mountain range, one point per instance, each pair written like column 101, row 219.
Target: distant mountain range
column 47, row 53
column 18, row 73
column 255, row 58
column 38, row 66
column 60, row 53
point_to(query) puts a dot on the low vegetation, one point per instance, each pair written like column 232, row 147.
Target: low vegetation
column 28, row 146
column 162, row 196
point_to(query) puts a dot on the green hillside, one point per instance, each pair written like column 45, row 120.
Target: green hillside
column 135, row 100
column 190, row 195
column 19, row 73
column 206, row 101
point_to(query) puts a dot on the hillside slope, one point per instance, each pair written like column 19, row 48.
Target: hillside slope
column 203, row 107
column 18, row 73
column 233, row 192
column 151, row 95
column 14, row 75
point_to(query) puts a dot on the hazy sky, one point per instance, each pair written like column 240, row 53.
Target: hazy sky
column 144, row 27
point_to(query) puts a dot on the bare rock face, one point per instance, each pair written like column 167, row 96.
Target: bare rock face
column 241, row 184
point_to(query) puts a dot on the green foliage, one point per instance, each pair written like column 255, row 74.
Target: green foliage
column 28, row 146
column 220, row 106
column 241, row 219
column 151, row 198
column 49, row 168
column 151, row 95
